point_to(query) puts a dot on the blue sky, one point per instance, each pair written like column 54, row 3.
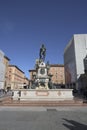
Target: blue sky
column 26, row 24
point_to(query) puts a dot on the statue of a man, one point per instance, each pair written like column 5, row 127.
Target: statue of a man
column 42, row 53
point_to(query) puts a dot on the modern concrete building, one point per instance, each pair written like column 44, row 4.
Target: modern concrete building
column 57, row 72
column 74, row 54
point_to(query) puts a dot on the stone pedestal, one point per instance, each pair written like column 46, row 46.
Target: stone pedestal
column 43, row 95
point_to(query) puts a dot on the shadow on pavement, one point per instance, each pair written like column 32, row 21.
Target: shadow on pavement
column 74, row 125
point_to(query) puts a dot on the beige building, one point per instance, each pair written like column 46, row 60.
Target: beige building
column 13, row 77
column 16, row 77
column 57, row 72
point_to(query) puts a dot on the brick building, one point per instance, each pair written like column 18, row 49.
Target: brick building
column 57, row 71
column 16, row 77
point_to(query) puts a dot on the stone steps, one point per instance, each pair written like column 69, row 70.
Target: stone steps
column 7, row 101
column 42, row 103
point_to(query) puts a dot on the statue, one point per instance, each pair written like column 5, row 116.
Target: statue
column 42, row 53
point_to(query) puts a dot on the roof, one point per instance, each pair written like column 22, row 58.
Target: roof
column 7, row 58
column 32, row 70
column 56, row 65
column 51, row 65
column 16, row 67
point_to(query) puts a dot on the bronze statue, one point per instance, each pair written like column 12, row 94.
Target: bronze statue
column 42, row 53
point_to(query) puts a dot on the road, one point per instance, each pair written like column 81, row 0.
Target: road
column 43, row 118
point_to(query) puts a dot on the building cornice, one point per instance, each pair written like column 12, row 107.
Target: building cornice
column 32, row 70
column 16, row 67
column 7, row 58
column 56, row 65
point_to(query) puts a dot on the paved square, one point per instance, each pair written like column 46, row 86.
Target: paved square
column 42, row 118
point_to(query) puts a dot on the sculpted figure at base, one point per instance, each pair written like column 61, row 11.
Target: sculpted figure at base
column 42, row 53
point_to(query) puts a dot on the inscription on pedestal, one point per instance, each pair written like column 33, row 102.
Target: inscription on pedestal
column 59, row 93
column 25, row 92
column 42, row 93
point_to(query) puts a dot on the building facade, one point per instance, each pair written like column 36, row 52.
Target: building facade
column 11, row 77
column 57, row 72
column 26, row 83
column 16, row 77
column 2, row 70
column 31, row 73
column 74, row 54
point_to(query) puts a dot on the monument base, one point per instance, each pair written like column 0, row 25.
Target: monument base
column 42, row 95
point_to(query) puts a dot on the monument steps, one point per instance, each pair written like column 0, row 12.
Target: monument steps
column 10, row 102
